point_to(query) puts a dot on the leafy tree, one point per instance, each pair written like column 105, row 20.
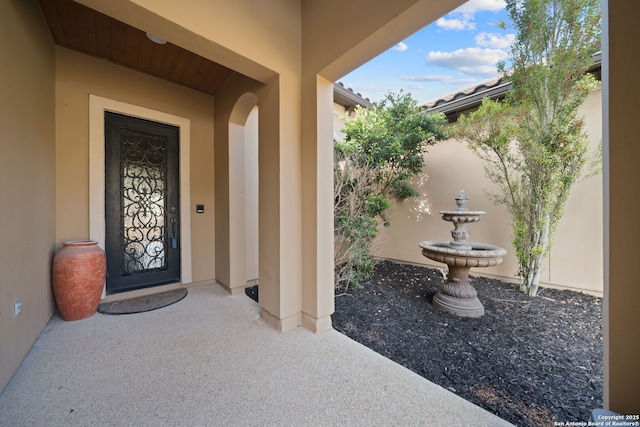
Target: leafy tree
column 534, row 145
column 382, row 149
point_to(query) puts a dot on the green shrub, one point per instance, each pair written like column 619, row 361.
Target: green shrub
column 383, row 148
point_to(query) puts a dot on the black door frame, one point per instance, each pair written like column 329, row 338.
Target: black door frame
column 119, row 280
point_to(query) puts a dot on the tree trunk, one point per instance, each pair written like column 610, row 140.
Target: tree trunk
column 544, row 241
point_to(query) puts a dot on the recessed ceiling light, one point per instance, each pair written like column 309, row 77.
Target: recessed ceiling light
column 156, row 39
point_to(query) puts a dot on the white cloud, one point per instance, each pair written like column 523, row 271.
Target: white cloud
column 462, row 17
column 440, row 78
column 455, row 24
column 472, row 7
column 414, row 86
column 495, row 41
column 472, row 60
column 400, row 47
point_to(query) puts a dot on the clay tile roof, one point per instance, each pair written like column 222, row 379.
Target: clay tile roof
column 467, row 91
column 470, row 97
column 348, row 98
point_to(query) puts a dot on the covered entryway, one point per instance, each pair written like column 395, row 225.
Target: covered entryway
column 295, row 49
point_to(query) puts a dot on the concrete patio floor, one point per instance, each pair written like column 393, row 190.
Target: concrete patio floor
column 209, row 360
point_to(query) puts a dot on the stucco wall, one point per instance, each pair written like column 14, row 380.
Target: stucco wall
column 27, row 178
column 78, row 76
column 575, row 260
column 251, row 195
column 243, row 196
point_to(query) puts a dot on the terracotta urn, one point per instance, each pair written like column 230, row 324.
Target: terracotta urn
column 79, row 272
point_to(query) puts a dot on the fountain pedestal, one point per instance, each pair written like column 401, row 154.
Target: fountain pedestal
column 456, row 295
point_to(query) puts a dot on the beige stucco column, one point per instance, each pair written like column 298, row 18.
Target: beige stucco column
column 317, row 204
column 226, row 274
column 279, row 204
column 621, row 94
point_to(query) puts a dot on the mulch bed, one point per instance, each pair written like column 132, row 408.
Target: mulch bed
column 530, row 360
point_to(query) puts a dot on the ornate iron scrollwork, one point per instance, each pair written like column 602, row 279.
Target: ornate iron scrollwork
column 143, row 167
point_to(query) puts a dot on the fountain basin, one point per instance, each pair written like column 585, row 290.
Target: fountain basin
column 456, row 295
column 479, row 254
column 461, row 216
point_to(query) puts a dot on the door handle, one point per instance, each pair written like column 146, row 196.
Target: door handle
column 174, row 237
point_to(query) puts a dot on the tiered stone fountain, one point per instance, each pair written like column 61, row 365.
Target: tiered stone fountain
column 456, row 295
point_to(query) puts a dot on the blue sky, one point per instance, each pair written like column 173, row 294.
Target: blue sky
column 459, row 50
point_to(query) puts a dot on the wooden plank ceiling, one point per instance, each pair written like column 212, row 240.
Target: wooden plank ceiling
column 85, row 30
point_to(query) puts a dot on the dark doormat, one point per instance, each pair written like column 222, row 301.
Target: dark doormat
column 143, row 303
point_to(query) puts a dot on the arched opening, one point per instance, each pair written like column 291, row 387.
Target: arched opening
column 243, row 193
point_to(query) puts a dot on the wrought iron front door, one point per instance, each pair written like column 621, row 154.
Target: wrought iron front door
column 141, row 203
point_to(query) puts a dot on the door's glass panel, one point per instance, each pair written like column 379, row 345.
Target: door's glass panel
column 143, row 188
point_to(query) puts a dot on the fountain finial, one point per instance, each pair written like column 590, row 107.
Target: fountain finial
column 460, row 217
column 462, row 200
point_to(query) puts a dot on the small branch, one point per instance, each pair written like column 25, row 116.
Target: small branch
column 344, row 294
column 511, row 300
